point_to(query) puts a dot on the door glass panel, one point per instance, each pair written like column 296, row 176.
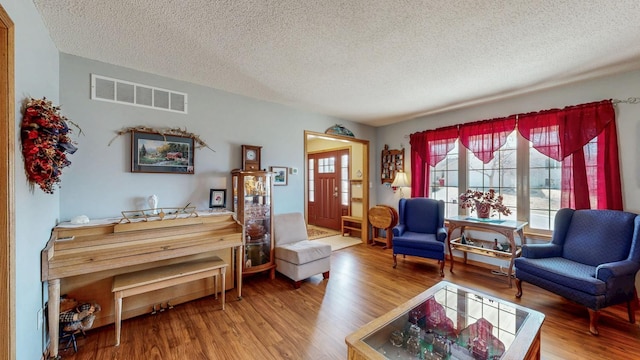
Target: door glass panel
column 344, row 180
column 327, row 165
column 312, row 193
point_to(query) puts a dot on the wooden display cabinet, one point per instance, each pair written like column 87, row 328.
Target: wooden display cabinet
column 253, row 206
column 392, row 161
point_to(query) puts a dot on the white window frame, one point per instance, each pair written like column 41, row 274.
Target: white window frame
column 522, row 187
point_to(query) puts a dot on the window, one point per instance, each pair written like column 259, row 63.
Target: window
column 344, row 180
column 545, row 175
column 326, row 165
column 501, row 174
column 312, row 169
column 552, row 159
column 444, row 182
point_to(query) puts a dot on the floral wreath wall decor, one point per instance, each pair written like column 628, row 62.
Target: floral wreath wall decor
column 45, row 143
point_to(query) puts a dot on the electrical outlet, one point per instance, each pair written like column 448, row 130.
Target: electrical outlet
column 40, row 319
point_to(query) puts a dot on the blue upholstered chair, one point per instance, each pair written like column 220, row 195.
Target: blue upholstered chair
column 592, row 259
column 420, row 230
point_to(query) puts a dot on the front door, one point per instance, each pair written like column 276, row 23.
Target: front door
column 325, row 188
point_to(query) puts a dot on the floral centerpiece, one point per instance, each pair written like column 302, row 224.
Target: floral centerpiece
column 484, row 203
column 45, row 142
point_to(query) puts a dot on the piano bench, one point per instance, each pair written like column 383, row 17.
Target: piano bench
column 143, row 281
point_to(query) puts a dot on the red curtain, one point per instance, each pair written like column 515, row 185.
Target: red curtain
column 483, row 138
column 590, row 171
column 427, row 149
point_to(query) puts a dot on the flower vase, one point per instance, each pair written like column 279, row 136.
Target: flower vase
column 483, row 210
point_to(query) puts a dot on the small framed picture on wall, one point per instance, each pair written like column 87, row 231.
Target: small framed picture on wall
column 217, row 198
column 281, row 175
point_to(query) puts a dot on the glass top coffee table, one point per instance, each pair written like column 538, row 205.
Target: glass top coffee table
column 448, row 321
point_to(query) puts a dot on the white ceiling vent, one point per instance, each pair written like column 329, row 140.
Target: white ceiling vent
column 125, row 92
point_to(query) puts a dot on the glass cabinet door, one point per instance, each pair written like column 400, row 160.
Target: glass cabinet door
column 252, row 203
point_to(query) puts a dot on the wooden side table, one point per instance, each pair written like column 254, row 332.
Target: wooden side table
column 383, row 217
column 350, row 223
column 505, row 228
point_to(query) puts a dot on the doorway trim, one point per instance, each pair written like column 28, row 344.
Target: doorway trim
column 364, row 228
column 7, row 210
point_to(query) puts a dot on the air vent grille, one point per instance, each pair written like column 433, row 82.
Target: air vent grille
column 125, row 92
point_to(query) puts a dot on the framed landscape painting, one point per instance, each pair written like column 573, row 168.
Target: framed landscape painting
column 281, row 175
column 156, row 153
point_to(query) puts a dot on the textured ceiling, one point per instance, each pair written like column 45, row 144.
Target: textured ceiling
column 371, row 61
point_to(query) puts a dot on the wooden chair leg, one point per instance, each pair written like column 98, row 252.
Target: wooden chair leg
column 519, row 287
column 593, row 321
column 296, row 284
column 632, row 306
column 325, row 275
column 395, row 261
column 441, row 267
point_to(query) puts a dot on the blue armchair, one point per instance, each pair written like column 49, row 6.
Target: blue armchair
column 592, row 259
column 420, row 230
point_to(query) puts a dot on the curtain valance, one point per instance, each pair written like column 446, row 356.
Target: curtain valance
column 427, row 149
column 483, row 138
column 558, row 133
column 590, row 174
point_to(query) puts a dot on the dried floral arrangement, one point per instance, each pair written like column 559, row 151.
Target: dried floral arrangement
column 164, row 132
column 45, row 143
column 484, row 203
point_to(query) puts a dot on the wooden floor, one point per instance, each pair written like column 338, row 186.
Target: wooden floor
column 274, row 321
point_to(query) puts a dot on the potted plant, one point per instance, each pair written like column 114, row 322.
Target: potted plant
column 485, row 204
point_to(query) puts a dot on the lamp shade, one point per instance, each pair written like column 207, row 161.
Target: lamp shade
column 400, row 180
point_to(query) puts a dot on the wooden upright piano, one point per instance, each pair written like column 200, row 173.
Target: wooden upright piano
column 81, row 262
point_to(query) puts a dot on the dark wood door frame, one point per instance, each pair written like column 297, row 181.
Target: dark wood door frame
column 7, row 210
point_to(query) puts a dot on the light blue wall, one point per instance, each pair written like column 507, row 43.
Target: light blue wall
column 36, row 75
column 99, row 183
